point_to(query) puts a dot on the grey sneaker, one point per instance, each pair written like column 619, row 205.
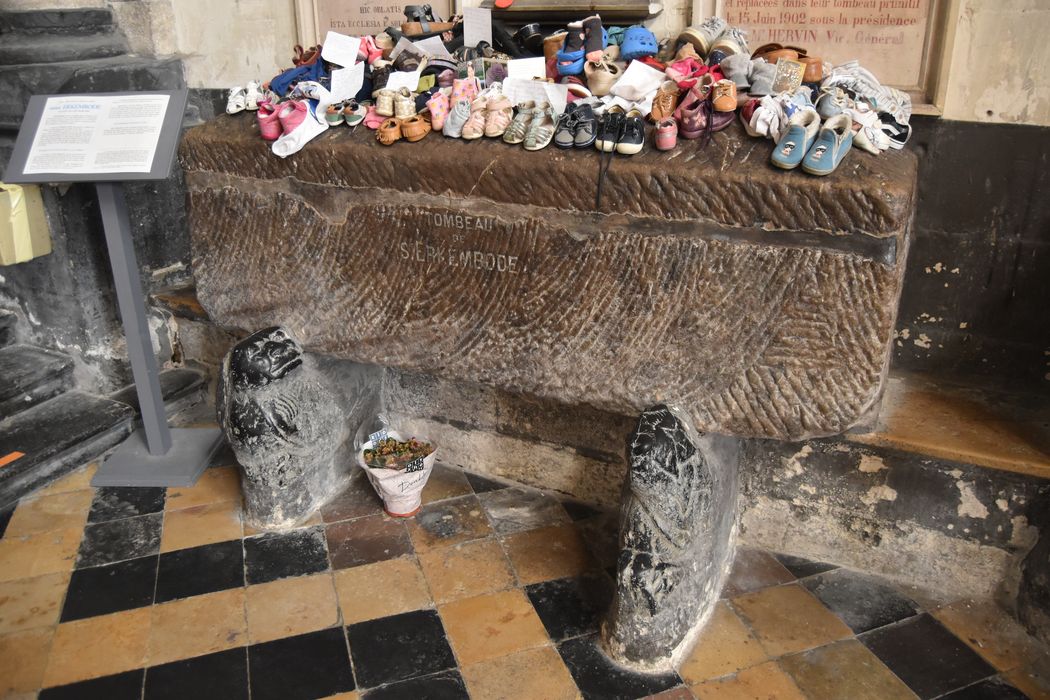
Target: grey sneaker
column 456, row 118
column 703, row 36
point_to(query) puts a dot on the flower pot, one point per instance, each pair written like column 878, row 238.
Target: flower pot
column 400, row 489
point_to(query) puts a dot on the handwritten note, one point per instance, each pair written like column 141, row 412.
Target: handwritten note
column 477, row 26
column 527, row 68
column 434, row 47
column 400, row 79
column 519, row 90
column 347, row 82
column 340, row 49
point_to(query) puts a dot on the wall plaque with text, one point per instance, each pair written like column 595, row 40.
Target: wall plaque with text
column 364, row 17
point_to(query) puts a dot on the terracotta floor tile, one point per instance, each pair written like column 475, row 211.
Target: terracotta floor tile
column 673, row 694
column 547, row 553
column 449, row 522
column 98, row 646
column 366, row 541
column 198, row 625
column 726, row 646
column 46, row 513
column 291, row 606
column 35, row 555
column 787, row 619
column 77, row 480
column 467, row 570
column 216, row 485
column 381, row 589
column 518, row 509
column 753, row 570
column 844, row 669
column 445, row 482
column 23, row 658
column 342, row 696
column 492, row 625
column 199, row 525
column 763, row 682
column 534, row 673
column 992, row 633
column 1033, row 681
column 29, row 603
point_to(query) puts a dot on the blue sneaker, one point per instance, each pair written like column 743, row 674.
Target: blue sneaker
column 830, row 147
column 793, row 145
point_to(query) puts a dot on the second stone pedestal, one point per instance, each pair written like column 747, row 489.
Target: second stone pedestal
column 677, row 540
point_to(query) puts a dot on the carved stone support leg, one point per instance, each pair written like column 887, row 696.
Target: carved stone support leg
column 677, row 540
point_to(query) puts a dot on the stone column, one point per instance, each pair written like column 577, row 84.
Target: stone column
column 677, row 540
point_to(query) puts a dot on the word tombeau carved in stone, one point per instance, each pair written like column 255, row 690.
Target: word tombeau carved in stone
column 676, row 539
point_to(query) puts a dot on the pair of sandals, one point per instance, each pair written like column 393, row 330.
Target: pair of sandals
column 533, row 126
column 244, row 98
column 490, row 115
column 348, row 111
column 412, row 129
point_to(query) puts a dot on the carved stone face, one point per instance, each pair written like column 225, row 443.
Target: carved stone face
column 264, row 357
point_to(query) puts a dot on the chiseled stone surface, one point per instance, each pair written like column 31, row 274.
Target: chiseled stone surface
column 759, row 302
column 676, row 540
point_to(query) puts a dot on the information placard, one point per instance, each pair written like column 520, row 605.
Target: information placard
column 100, row 137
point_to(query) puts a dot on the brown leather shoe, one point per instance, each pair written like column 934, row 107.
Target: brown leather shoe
column 665, row 101
column 723, row 96
column 814, row 69
column 414, row 128
column 389, row 132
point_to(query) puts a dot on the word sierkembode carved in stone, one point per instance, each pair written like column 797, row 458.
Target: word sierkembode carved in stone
column 677, row 529
column 288, row 423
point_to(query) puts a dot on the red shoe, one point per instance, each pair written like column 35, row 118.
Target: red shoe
column 666, row 134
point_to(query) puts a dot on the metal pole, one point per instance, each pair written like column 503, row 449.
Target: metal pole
column 133, row 315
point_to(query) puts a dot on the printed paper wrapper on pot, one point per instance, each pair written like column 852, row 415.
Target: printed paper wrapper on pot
column 401, row 490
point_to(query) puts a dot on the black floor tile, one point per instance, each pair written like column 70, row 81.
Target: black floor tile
column 803, row 567
column 399, row 647
column 120, row 540
column 571, row 607
column 991, row 689
column 115, row 502
column 926, row 656
column 863, row 602
column 598, row 678
column 220, row 676
column 441, row 686
column 5, row 518
column 122, row 686
column 284, row 554
column 198, row 570
column 313, row 665
column 480, row 484
column 101, row 590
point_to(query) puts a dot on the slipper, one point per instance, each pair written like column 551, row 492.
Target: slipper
column 389, row 132
column 832, row 144
column 795, row 143
column 415, row 128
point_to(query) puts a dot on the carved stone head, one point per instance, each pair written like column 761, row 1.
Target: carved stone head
column 263, row 357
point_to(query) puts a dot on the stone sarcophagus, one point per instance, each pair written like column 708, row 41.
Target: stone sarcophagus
column 761, row 303
column 712, row 294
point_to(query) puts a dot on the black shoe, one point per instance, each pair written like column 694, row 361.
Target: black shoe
column 565, row 133
column 633, row 134
column 610, row 129
column 586, row 130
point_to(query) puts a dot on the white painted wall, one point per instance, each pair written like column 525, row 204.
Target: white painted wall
column 1000, row 67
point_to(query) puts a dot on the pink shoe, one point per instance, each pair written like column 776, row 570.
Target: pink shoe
column 438, row 107
column 291, row 114
column 373, row 119
column 368, row 51
column 666, row 134
column 269, row 125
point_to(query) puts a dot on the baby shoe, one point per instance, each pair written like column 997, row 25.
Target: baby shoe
column 404, row 104
column 762, row 75
column 334, row 114
column 702, row 36
column 496, row 73
column 665, row 101
column 594, row 38
column 565, row 126
column 731, row 41
column 571, row 56
column 685, row 72
column 666, row 134
column 633, row 137
column 498, row 114
column 438, row 105
column 457, row 117
column 519, row 127
column 474, row 128
column 298, row 125
column 832, row 101
column 541, row 128
column 373, row 119
column 253, row 94
column 236, row 101
column 723, row 96
column 832, row 144
column 385, row 103
column 638, row 42
column 389, row 132
column 354, row 113
column 269, row 124
column 601, row 76
column 445, row 78
column 415, row 128
column 796, row 141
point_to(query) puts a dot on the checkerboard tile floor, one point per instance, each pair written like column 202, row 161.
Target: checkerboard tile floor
column 489, row 592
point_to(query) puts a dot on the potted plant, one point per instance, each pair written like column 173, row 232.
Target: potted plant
column 398, row 470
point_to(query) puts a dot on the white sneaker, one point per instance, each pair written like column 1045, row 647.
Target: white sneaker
column 253, row 95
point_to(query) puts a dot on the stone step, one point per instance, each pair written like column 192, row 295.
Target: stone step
column 8, row 320
column 980, row 426
column 74, row 21
column 29, row 375
column 49, row 440
column 28, row 49
column 181, row 388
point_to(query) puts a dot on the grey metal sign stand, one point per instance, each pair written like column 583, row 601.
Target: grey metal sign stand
column 154, row 455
